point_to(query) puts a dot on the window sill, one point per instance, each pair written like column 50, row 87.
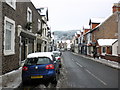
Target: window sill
column 8, row 53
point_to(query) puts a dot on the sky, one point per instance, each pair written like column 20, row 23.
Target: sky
column 74, row 14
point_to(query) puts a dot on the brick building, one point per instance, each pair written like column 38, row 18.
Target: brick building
column 20, row 32
column 103, row 36
column 91, row 40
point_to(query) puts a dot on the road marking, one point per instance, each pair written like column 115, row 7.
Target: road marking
column 78, row 64
column 96, row 77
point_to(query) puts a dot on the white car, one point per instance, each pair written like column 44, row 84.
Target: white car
column 57, row 55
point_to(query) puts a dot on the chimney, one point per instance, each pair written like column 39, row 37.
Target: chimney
column 116, row 7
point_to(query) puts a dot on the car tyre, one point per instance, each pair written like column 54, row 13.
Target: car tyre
column 24, row 82
column 60, row 66
column 55, row 79
column 59, row 71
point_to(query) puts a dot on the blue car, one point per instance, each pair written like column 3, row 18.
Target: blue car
column 41, row 66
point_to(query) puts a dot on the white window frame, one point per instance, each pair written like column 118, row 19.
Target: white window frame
column 39, row 24
column 103, row 53
column 12, row 51
column 29, row 19
column 11, row 5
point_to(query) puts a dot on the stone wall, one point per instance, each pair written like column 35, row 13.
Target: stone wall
column 19, row 15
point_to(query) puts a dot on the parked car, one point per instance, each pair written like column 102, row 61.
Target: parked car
column 41, row 65
column 62, row 49
column 57, row 55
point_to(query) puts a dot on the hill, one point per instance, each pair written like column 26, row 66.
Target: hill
column 64, row 35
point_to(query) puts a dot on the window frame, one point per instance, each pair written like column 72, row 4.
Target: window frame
column 104, row 47
column 12, row 50
column 12, row 5
column 39, row 25
column 29, row 18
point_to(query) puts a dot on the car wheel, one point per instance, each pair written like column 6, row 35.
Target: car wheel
column 55, row 79
column 59, row 71
column 60, row 66
column 24, row 82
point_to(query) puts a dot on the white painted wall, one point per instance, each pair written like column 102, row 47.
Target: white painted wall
column 115, row 49
column 119, row 33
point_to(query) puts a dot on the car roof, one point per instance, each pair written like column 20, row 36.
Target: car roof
column 40, row 54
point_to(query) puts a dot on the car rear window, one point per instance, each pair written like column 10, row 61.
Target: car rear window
column 37, row 61
column 56, row 54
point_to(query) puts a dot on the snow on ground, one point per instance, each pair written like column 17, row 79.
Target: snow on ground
column 11, row 79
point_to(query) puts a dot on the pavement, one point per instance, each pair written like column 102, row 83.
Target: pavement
column 13, row 78
column 109, row 63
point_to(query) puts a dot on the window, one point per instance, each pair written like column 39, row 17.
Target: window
column 29, row 15
column 104, row 50
column 39, row 25
column 9, row 36
column 76, row 40
column 29, row 19
column 37, row 61
column 11, row 3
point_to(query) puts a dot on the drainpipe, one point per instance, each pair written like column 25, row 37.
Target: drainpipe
column 19, row 31
column 119, row 33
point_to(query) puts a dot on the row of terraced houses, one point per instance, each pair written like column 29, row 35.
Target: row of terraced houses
column 23, row 30
column 100, row 37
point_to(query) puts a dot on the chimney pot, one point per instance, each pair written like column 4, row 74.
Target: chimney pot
column 116, row 7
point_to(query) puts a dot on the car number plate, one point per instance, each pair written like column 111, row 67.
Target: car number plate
column 36, row 77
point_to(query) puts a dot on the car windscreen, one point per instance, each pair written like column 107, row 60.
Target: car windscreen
column 56, row 54
column 37, row 61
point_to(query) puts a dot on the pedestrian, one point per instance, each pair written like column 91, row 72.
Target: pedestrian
column 94, row 54
column 98, row 55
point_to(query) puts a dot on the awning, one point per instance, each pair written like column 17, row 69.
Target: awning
column 106, row 42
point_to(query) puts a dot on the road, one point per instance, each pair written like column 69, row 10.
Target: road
column 85, row 73
column 79, row 72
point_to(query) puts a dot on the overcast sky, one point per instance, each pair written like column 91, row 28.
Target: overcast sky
column 74, row 14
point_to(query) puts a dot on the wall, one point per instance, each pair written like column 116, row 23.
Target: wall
column 115, row 49
column 0, row 37
column 19, row 15
column 94, row 25
column 119, row 33
column 112, row 58
column 10, row 62
column 108, row 29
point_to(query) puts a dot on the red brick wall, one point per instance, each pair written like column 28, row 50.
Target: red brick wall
column 94, row 25
column 86, row 30
column 112, row 58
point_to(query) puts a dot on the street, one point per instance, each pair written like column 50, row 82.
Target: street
column 84, row 73
column 79, row 72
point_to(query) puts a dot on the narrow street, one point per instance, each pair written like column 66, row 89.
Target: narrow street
column 78, row 72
